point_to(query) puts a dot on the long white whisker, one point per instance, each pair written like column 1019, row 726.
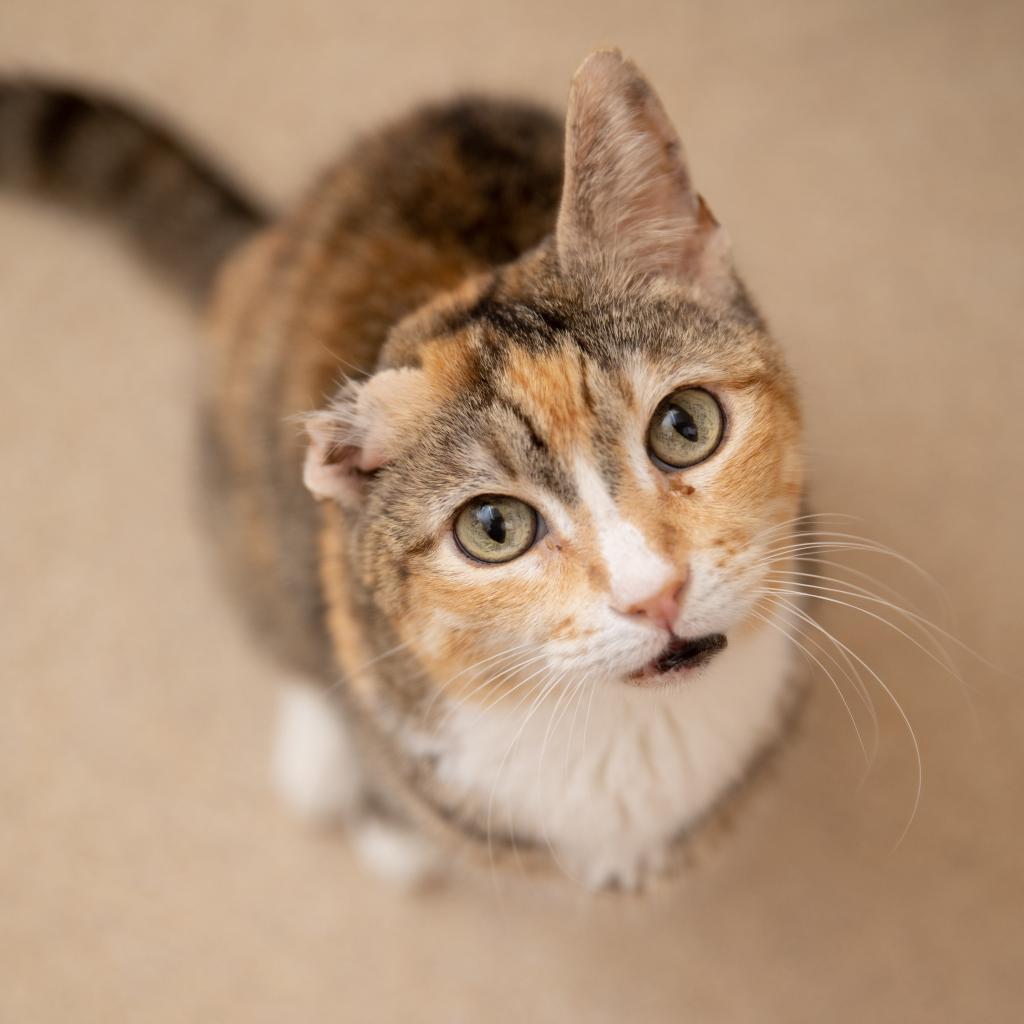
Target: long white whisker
column 892, row 697
column 920, row 621
column 545, row 688
column 875, row 546
column 853, row 589
column 813, row 591
column 762, row 535
column 572, row 726
column 552, row 725
column 508, row 693
column 493, row 681
column 849, row 671
column 846, row 704
column 358, row 671
column 860, row 574
column 518, row 650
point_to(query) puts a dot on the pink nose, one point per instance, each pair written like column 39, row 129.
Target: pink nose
column 661, row 608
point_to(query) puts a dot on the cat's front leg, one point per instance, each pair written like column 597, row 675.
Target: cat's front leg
column 314, row 766
column 317, row 771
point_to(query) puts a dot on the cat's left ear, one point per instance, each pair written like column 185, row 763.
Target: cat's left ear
column 360, row 432
column 628, row 204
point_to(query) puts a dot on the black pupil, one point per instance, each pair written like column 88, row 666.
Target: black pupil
column 683, row 423
column 492, row 522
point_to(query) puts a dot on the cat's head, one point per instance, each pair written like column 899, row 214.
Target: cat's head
column 572, row 466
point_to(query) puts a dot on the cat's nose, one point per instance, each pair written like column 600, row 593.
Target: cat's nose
column 661, row 608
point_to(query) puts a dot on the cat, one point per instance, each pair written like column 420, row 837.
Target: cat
column 498, row 451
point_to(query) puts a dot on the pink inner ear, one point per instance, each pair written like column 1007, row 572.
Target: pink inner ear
column 332, row 467
column 361, row 431
column 628, row 202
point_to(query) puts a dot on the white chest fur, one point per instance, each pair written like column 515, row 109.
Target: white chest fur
column 608, row 780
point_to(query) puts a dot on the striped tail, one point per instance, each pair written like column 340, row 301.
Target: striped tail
column 171, row 204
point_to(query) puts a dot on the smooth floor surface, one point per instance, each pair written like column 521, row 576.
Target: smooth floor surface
column 868, row 159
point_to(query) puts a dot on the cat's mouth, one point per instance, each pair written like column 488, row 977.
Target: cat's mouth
column 679, row 654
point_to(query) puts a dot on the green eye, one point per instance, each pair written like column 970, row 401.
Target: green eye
column 686, row 428
column 495, row 528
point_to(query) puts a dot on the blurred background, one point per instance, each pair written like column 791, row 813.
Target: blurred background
column 867, row 157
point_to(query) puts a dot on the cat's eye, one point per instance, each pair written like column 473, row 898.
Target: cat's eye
column 496, row 528
column 686, row 428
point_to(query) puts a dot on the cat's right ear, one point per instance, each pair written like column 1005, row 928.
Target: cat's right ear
column 628, row 202
column 360, row 432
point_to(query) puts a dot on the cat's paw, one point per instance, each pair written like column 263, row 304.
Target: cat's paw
column 314, row 766
column 620, row 871
column 397, row 854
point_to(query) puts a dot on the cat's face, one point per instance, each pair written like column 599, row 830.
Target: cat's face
column 574, row 484
column 571, row 468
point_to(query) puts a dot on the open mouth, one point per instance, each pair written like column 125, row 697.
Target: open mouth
column 681, row 654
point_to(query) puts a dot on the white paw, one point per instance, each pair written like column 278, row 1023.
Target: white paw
column 620, row 870
column 396, row 854
column 314, row 766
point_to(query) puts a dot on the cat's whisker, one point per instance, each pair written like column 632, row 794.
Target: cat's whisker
column 768, row 621
column 352, row 372
column 940, row 592
column 799, row 578
column 544, row 687
column 576, row 689
column 927, row 626
column 806, row 550
column 764, row 534
column 942, row 659
column 815, row 592
column 868, row 577
column 582, row 687
column 553, row 721
column 492, row 679
column 809, row 552
column 380, row 657
column 849, row 672
column 508, row 693
column 361, row 669
column 796, row 610
column 541, row 684
column 487, row 660
column 586, row 723
column 873, row 545
column 442, row 689
column 552, row 725
column 802, row 545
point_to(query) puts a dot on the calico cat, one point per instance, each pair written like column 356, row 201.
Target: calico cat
column 498, row 451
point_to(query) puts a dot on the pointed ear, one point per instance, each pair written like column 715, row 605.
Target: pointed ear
column 362, row 429
column 628, row 204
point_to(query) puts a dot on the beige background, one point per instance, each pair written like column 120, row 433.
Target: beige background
column 868, row 158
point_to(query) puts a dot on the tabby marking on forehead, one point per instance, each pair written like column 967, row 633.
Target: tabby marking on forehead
column 547, row 387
